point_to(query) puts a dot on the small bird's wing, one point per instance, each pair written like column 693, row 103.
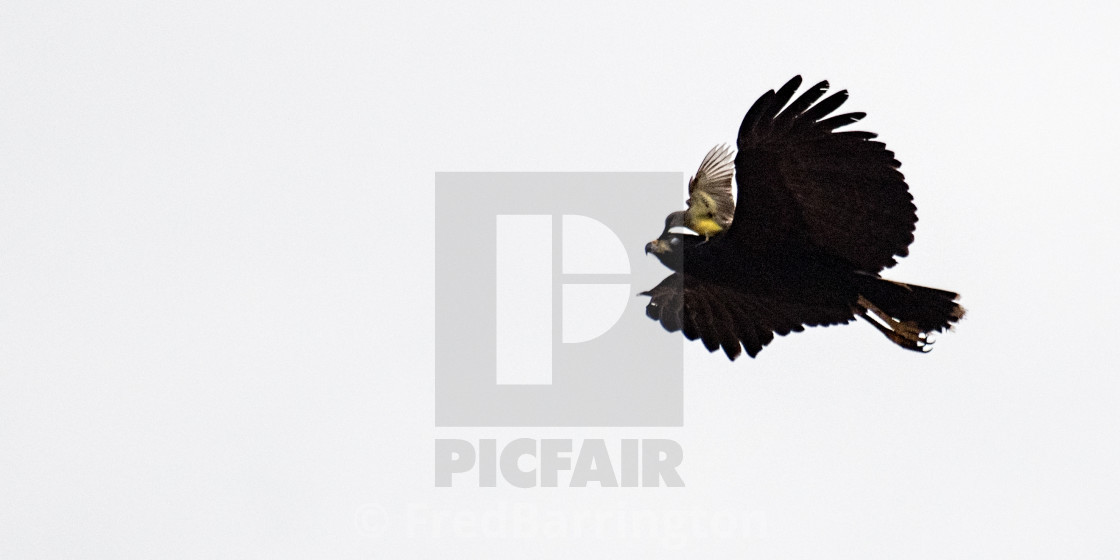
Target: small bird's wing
column 709, row 192
column 731, row 319
column 801, row 184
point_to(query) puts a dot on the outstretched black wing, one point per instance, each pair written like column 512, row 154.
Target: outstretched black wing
column 803, row 184
column 722, row 317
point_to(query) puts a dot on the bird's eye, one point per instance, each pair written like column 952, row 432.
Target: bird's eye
column 674, row 240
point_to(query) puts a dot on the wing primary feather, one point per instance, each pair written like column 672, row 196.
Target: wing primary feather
column 707, row 330
column 832, row 123
column 729, row 340
column 746, row 130
column 716, row 166
column 859, row 134
column 732, row 349
column 822, row 109
column 671, row 314
column 744, row 328
column 723, row 321
column 786, row 118
column 784, row 94
column 688, row 323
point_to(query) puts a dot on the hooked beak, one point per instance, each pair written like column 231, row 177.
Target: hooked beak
column 652, row 246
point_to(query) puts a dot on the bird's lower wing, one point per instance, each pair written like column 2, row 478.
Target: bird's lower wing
column 723, row 317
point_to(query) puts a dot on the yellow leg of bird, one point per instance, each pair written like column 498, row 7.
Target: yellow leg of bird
column 904, row 333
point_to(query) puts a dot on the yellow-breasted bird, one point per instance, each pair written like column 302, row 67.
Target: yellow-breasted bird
column 710, row 203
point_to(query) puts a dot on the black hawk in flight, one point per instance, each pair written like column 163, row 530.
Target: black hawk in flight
column 820, row 214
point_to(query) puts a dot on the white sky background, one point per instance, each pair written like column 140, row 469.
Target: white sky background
column 216, row 273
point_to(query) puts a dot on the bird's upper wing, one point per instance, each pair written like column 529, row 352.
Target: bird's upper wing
column 710, row 189
column 803, row 184
column 722, row 317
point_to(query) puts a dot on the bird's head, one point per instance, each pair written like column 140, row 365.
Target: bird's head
column 669, row 247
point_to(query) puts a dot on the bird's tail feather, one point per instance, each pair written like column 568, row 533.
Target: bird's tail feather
column 906, row 314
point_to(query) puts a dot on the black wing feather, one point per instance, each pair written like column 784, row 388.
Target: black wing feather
column 802, row 103
column 803, row 186
column 822, row 109
column 729, row 319
column 784, row 94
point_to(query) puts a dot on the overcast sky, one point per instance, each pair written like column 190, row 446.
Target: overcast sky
column 216, row 274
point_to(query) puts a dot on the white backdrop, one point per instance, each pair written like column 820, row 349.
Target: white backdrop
column 216, row 276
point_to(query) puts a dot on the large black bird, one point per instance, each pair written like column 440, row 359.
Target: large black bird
column 820, row 213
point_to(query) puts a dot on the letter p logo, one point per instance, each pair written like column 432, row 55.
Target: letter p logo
column 537, row 323
column 526, row 288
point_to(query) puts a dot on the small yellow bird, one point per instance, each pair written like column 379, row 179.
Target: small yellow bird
column 711, row 206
